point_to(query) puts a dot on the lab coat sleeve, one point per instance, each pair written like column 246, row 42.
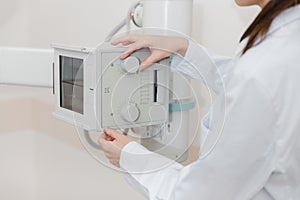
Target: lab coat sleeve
column 149, row 173
column 200, row 64
column 237, row 168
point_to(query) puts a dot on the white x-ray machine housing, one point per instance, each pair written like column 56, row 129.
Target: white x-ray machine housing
column 95, row 89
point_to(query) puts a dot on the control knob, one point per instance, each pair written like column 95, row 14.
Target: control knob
column 130, row 112
column 130, row 64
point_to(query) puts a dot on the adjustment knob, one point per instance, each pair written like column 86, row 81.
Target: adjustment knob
column 130, row 113
column 130, row 65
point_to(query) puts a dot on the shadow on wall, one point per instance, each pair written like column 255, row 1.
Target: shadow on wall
column 7, row 10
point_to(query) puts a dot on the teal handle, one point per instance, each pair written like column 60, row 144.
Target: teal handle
column 181, row 106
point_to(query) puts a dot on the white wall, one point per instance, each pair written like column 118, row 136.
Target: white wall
column 38, row 23
column 41, row 157
column 218, row 25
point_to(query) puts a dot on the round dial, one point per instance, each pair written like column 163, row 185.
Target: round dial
column 130, row 112
column 130, row 64
column 137, row 15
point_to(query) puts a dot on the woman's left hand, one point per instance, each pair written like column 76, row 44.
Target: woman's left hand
column 112, row 143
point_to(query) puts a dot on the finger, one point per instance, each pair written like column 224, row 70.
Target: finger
column 112, row 162
column 112, row 133
column 115, row 163
column 149, row 61
column 108, row 156
column 104, row 136
column 104, row 143
column 101, row 138
column 118, row 144
column 109, row 138
column 133, row 48
column 155, row 56
column 123, row 40
column 126, row 43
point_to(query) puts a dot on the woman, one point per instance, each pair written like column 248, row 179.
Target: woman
column 257, row 156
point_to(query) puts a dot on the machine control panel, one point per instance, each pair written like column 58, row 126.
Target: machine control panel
column 131, row 97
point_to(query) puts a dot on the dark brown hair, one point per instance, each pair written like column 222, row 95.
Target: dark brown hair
column 260, row 26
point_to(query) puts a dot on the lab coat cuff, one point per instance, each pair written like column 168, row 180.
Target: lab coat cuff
column 136, row 159
column 146, row 170
column 179, row 61
column 132, row 149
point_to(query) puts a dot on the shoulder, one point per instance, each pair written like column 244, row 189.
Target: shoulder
column 274, row 63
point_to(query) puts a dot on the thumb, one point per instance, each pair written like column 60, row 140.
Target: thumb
column 112, row 133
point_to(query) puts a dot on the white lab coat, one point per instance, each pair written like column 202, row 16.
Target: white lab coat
column 258, row 153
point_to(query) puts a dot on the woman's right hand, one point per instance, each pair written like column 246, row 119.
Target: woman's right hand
column 160, row 46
